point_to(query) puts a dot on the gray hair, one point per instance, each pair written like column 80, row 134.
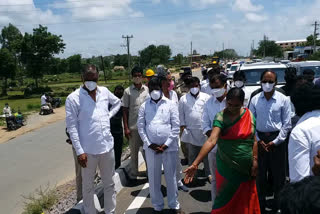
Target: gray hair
column 89, row 68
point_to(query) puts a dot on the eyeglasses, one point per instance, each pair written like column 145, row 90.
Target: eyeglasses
column 270, row 82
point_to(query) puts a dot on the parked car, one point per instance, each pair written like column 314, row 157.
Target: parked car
column 233, row 69
column 253, row 73
column 228, row 67
column 301, row 66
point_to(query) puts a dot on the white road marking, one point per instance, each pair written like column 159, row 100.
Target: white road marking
column 139, row 200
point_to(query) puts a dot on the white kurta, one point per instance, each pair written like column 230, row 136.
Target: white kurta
column 190, row 114
column 303, row 146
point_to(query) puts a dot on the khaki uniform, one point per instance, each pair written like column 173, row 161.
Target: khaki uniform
column 181, row 90
column 133, row 98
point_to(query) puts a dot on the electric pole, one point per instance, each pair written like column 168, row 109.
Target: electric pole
column 128, row 48
column 315, row 35
column 104, row 72
column 223, row 50
column 191, row 56
column 264, row 45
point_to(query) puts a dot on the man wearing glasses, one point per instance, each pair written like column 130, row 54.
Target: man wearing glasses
column 273, row 118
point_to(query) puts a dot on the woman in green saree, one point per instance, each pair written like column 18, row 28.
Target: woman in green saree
column 237, row 158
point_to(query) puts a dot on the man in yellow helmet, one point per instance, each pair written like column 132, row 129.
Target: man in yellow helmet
column 149, row 74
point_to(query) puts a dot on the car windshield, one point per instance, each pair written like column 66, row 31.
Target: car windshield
column 228, row 65
column 253, row 75
column 234, row 68
column 316, row 69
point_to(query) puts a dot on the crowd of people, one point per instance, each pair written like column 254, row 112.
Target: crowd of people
column 252, row 145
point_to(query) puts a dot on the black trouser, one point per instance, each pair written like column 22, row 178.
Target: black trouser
column 274, row 163
column 118, row 143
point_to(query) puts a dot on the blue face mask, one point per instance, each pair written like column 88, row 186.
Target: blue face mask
column 90, row 85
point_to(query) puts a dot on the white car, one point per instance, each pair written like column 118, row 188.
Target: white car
column 301, row 66
column 253, row 73
column 228, row 67
column 233, row 69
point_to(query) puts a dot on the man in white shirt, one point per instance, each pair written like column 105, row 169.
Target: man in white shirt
column 214, row 105
column 88, row 123
column 239, row 80
column 158, row 126
column 190, row 113
column 272, row 111
column 205, row 86
column 7, row 110
column 304, row 140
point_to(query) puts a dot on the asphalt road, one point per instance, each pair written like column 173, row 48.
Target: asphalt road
column 32, row 160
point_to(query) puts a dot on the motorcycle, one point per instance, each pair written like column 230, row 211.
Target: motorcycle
column 56, row 102
column 45, row 110
column 15, row 121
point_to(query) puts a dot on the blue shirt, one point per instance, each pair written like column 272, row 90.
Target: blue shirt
column 272, row 115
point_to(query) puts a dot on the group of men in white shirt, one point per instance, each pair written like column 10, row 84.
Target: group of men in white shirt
column 154, row 119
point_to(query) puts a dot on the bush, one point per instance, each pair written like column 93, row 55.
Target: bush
column 40, row 201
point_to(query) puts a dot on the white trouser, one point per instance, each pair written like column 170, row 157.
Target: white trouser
column 179, row 169
column 106, row 163
column 154, row 163
column 213, row 166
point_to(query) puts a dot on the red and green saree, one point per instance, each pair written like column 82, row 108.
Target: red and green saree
column 236, row 190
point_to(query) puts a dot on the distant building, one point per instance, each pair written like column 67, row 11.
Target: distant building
column 290, row 43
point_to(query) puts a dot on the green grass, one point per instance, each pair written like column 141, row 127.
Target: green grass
column 40, row 201
column 25, row 105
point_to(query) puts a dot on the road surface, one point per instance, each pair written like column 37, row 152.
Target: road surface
column 32, row 160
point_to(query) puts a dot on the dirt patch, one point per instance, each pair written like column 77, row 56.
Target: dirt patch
column 34, row 121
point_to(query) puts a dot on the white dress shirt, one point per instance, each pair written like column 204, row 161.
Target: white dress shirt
column 88, row 122
column 173, row 96
column 272, row 115
column 158, row 123
column 205, row 88
column 190, row 114
column 211, row 108
column 303, row 146
column 43, row 99
column 204, row 82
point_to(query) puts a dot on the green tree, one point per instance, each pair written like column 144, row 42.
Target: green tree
column 178, row 59
column 11, row 38
column 227, row 54
column 268, row 48
column 38, row 49
column 74, row 63
column 7, row 67
column 120, row 60
column 310, row 41
column 153, row 55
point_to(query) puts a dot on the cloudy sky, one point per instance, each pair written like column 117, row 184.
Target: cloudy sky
column 95, row 27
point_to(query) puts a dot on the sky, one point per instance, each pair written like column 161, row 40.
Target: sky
column 96, row 27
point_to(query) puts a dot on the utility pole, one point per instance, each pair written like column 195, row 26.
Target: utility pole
column 264, row 45
column 191, row 56
column 315, row 35
column 104, row 72
column 223, row 50
column 128, row 48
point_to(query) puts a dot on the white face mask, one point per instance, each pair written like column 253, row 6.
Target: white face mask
column 218, row 92
column 90, row 85
column 267, row 87
column 194, row 91
column 155, row 95
column 239, row 84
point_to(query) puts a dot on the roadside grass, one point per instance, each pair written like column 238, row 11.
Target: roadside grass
column 40, row 201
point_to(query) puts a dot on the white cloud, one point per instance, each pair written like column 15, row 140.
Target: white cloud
column 217, row 26
column 246, row 6
column 24, row 12
column 253, row 17
column 84, row 10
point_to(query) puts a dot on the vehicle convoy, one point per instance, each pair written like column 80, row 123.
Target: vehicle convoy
column 253, row 73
